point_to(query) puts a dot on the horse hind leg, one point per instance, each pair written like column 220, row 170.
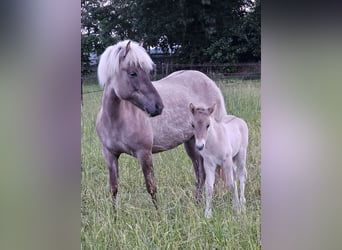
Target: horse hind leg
column 231, row 183
column 197, row 163
column 145, row 159
column 242, row 175
column 220, row 183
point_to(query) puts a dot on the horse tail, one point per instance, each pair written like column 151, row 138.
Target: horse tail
column 220, row 110
column 213, row 93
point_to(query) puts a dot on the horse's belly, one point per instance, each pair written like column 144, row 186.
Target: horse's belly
column 168, row 138
column 172, row 127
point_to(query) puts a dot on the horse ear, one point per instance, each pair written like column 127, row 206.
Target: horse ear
column 192, row 108
column 128, row 47
column 212, row 108
column 123, row 51
column 141, row 43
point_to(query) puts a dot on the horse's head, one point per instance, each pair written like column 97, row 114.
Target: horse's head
column 126, row 66
column 200, row 122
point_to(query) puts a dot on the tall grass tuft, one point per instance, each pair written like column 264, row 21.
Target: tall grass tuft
column 179, row 223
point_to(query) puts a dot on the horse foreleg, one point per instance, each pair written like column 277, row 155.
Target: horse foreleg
column 209, row 188
column 113, row 167
column 145, row 159
column 197, row 163
column 242, row 174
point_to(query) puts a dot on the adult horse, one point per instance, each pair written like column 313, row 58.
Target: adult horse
column 138, row 117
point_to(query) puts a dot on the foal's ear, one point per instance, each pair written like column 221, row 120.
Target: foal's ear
column 192, row 108
column 212, row 108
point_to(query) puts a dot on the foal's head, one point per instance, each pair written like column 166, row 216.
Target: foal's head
column 200, row 123
column 126, row 66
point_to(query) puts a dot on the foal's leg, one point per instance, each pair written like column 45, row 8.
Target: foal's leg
column 145, row 159
column 242, row 174
column 197, row 163
column 231, row 183
column 220, row 179
column 113, row 167
column 209, row 187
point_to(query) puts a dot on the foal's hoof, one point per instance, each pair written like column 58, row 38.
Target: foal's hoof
column 243, row 205
column 208, row 214
column 243, row 209
column 236, row 208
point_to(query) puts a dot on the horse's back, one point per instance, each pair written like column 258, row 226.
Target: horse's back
column 192, row 86
column 188, row 76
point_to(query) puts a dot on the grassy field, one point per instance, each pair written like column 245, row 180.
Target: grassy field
column 179, row 223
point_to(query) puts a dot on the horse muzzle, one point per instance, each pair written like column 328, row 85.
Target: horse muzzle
column 200, row 145
column 154, row 110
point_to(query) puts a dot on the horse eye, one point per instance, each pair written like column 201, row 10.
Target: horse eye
column 192, row 125
column 132, row 74
column 208, row 125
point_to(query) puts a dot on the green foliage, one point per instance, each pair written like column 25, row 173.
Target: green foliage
column 207, row 31
column 221, row 51
column 96, row 28
column 179, row 223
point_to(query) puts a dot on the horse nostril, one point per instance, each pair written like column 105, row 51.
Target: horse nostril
column 159, row 107
column 154, row 111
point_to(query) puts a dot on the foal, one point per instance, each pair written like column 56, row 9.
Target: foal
column 221, row 144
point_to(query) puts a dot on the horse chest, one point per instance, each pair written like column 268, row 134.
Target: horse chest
column 212, row 159
column 126, row 137
column 216, row 152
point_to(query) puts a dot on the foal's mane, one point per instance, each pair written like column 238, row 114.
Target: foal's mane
column 110, row 60
column 203, row 111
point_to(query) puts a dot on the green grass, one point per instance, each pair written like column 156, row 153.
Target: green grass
column 179, row 223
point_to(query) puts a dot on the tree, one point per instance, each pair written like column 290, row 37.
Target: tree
column 204, row 31
column 105, row 22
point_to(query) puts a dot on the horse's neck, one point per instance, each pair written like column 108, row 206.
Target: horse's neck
column 215, row 131
column 110, row 103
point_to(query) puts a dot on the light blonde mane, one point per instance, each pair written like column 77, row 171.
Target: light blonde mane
column 109, row 64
